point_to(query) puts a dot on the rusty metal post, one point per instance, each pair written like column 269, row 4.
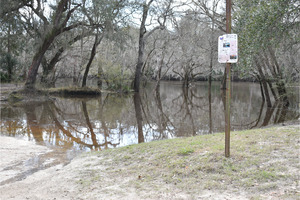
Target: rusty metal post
column 228, row 85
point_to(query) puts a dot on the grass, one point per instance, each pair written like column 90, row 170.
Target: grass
column 261, row 160
column 185, row 151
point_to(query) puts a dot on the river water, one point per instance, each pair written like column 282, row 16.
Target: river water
column 113, row 120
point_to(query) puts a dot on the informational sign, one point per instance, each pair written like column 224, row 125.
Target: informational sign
column 228, row 48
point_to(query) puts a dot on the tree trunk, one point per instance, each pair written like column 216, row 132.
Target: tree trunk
column 269, row 113
column 272, row 89
column 92, row 56
column 37, row 59
column 48, row 68
column 138, row 69
column 186, row 81
column 58, row 26
column 32, row 74
column 264, row 84
column 139, row 65
column 282, row 93
column 10, row 65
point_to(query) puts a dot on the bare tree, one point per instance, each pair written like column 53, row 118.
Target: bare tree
column 167, row 10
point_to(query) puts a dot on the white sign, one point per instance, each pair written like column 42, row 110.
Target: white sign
column 228, row 48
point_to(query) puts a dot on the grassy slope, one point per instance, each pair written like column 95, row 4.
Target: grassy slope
column 263, row 163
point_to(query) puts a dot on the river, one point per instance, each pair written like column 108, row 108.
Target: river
column 115, row 120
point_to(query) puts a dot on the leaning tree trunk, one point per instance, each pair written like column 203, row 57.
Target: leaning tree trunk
column 59, row 24
column 92, row 56
column 279, row 79
column 36, row 61
column 264, row 83
column 272, row 89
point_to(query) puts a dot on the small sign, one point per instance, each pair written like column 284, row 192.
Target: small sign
column 228, row 48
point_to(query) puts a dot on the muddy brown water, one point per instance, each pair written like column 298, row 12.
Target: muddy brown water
column 72, row 125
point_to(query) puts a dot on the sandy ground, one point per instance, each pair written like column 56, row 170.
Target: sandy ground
column 25, row 172
column 19, row 182
column 55, row 182
column 14, row 153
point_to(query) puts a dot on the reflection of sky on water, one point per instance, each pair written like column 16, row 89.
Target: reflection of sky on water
column 111, row 120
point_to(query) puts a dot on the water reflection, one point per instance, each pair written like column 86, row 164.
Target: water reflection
column 170, row 111
column 138, row 116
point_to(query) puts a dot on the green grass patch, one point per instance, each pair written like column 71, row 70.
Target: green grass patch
column 259, row 160
column 186, row 151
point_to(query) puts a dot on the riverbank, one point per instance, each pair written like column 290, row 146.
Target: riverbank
column 264, row 164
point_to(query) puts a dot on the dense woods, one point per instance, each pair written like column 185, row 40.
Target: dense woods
column 125, row 43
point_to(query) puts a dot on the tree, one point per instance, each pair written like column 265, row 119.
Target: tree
column 160, row 56
column 12, row 6
column 265, row 29
column 102, row 17
column 7, row 63
column 210, row 17
column 58, row 24
column 139, row 117
column 143, row 35
column 48, row 76
column 11, row 38
column 191, row 49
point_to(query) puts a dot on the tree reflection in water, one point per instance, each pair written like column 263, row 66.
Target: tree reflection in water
column 165, row 112
column 139, row 117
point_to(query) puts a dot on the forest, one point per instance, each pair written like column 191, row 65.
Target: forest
column 123, row 44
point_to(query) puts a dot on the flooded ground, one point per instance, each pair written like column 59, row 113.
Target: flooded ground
column 68, row 126
column 114, row 120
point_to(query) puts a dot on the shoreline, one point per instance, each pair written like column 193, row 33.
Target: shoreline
column 167, row 169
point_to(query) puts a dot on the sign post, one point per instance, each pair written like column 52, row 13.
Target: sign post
column 228, row 53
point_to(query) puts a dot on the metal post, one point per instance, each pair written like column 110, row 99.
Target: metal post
column 228, row 81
